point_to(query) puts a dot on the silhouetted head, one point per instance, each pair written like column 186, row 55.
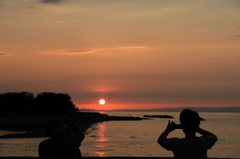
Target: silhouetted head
column 190, row 121
column 55, row 127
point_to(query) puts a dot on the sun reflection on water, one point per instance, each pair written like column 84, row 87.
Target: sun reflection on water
column 101, row 142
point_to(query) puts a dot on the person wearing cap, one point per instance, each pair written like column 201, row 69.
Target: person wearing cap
column 190, row 147
column 64, row 142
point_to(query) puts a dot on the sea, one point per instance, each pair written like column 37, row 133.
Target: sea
column 138, row 138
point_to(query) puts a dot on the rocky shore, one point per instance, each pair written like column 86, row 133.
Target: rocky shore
column 17, row 125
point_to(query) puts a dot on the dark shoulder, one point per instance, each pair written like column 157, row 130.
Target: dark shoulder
column 73, row 136
column 45, row 142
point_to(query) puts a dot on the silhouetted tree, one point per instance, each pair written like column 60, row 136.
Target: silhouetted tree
column 44, row 102
column 51, row 102
column 16, row 102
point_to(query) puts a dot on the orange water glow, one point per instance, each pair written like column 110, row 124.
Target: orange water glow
column 101, row 142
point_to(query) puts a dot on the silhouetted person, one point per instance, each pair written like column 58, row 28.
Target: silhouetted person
column 190, row 147
column 65, row 140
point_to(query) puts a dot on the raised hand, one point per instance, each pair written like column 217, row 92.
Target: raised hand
column 171, row 126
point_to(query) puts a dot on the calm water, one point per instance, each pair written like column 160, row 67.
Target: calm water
column 139, row 138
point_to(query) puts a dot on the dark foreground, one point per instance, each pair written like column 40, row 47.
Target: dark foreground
column 104, row 157
column 33, row 124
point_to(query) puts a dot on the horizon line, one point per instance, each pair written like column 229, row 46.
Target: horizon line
column 211, row 109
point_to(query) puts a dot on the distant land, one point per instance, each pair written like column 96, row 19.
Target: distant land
column 199, row 109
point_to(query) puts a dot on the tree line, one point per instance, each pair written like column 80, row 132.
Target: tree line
column 43, row 102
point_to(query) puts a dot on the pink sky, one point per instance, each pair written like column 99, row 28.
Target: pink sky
column 135, row 54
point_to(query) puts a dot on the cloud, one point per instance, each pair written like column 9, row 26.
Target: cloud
column 70, row 52
column 238, row 36
column 140, row 48
column 58, row 21
column 78, row 52
column 70, row 21
column 3, row 53
column 61, row 21
column 51, row 1
column 132, row 47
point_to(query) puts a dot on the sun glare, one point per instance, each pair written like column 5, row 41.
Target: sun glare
column 102, row 101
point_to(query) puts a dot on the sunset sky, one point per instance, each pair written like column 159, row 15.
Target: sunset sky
column 136, row 54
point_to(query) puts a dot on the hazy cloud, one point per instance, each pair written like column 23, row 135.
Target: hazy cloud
column 140, row 48
column 70, row 21
column 70, row 52
column 238, row 36
column 58, row 21
column 78, row 52
column 132, row 47
column 61, row 21
column 3, row 53
column 51, row 1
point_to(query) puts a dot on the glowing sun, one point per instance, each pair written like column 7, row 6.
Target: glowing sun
column 102, row 101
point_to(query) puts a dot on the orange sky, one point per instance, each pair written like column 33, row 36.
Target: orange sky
column 135, row 54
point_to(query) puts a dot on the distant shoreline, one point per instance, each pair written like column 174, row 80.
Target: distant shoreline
column 179, row 109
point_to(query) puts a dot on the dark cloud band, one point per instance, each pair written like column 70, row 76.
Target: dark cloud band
column 3, row 54
column 51, row 1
